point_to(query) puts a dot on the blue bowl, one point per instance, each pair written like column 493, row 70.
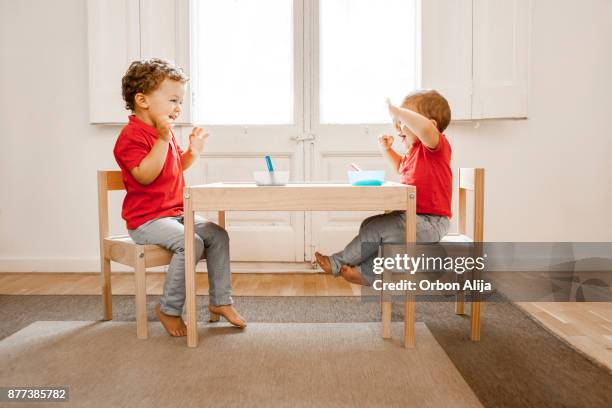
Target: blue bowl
column 367, row 177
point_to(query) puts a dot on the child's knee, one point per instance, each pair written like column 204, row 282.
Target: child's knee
column 199, row 247
column 177, row 246
column 220, row 235
column 212, row 233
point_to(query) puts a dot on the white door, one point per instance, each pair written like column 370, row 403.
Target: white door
column 362, row 53
column 247, row 82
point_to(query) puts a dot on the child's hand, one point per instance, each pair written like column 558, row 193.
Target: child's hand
column 197, row 137
column 385, row 141
column 164, row 127
column 392, row 109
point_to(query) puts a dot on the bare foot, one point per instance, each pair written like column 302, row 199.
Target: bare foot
column 323, row 262
column 230, row 314
column 351, row 274
column 174, row 325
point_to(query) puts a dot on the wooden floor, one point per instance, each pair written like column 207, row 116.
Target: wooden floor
column 243, row 284
column 587, row 326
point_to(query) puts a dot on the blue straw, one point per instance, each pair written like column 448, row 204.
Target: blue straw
column 269, row 164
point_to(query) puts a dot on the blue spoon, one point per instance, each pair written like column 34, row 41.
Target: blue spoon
column 269, row 164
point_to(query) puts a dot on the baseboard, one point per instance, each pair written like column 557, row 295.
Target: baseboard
column 88, row 265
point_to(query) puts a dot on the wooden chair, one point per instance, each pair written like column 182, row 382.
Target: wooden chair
column 470, row 179
column 123, row 250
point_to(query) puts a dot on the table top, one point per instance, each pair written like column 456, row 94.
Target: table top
column 298, row 197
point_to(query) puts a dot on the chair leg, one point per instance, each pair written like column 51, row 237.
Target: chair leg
column 460, row 303
column 476, row 297
column 460, row 296
column 475, row 335
column 409, row 318
column 107, row 296
column 141, row 295
column 386, row 305
column 386, row 319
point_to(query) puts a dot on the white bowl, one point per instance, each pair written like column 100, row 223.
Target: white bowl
column 275, row 178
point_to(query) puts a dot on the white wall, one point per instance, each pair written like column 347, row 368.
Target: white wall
column 548, row 178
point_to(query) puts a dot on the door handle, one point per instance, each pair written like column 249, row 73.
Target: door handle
column 304, row 138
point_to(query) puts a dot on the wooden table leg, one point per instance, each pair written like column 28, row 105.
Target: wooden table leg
column 409, row 306
column 409, row 318
column 190, row 266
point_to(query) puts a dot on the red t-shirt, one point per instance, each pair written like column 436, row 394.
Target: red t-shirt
column 164, row 196
column 430, row 172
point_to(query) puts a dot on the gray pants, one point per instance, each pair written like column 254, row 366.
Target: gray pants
column 385, row 228
column 168, row 232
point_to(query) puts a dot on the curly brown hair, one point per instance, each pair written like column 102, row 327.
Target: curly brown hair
column 145, row 76
column 430, row 104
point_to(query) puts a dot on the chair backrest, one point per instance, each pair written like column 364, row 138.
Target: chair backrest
column 108, row 180
column 472, row 179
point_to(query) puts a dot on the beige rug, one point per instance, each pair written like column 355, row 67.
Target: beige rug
column 266, row 365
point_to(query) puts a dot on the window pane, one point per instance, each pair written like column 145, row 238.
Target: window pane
column 367, row 53
column 244, row 61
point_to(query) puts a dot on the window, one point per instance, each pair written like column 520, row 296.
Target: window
column 367, row 53
column 315, row 61
column 244, row 55
column 244, row 61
